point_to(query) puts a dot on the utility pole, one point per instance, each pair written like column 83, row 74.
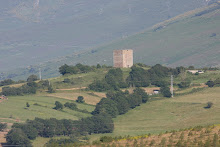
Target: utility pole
column 40, row 74
column 171, row 85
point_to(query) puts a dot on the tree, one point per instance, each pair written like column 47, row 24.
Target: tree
column 27, row 104
column 106, row 105
column 71, row 105
column 32, row 78
column 50, row 89
column 59, row 106
column 209, row 105
column 166, row 91
column 98, row 66
column 142, row 93
column 80, row 99
column 138, row 77
column 210, row 83
column 103, row 123
column 18, row 138
column 185, row 84
column 3, row 126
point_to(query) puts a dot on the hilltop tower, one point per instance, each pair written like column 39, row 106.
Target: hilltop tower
column 123, row 58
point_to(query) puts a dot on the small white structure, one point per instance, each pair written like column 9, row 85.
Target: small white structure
column 195, row 71
column 156, row 91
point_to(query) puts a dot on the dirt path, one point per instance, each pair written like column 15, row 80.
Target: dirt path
column 70, row 89
column 2, row 138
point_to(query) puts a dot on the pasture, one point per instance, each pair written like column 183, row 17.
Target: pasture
column 15, row 110
column 161, row 115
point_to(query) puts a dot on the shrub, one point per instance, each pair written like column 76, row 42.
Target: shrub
column 80, row 99
column 71, row 105
column 2, row 127
column 58, row 106
column 210, row 83
column 51, row 90
column 106, row 139
column 209, row 105
column 27, row 104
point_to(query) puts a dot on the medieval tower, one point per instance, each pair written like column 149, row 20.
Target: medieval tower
column 123, row 58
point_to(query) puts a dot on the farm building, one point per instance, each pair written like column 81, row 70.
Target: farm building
column 123, row 58
column 195, row 71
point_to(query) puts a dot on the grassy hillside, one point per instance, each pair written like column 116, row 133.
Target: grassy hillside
column 35, row 33
column 195, row 136
column 161, row 115
column 14, row 109
column 188, row 39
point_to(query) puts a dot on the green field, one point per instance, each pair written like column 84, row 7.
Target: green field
column 170, row 114
column 14, row 109
column 166, row 114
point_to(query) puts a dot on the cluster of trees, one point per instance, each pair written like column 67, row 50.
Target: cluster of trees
column 72, row 106
column 212, row 83
column 29, row 88
column 21, row 134
column 10, row 82
column 118, row 103
column 78, row 68
column 138, row 77
column 113, row 81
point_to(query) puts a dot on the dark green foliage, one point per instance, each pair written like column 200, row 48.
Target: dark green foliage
column 106, row 105
column 98, row 66
column 7, row 82
column 50, row 89
column 191, row 67
column 27, row 104
column 2, row 127
column 100, row 86
column 43, row 84
column 59, row 142
column 217, row 82
column 113, row 81
column 185, row 84
column 210, row 83
column 165, row 91
column 28, row 88
column 30, row 131
column 121, row 101
column 71, row 105
column 17, row 137
column 32, row 78
column 66, row 80
column 59, row 106
column 209, row 105
column 138, row 77
column 142, row 93
column 101, row 123
column 106, row 139
column 160, row 83
column 80, row 99
column 79, row 68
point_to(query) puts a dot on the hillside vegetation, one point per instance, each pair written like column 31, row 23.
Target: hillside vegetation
column 188, row 39
column 45, row 33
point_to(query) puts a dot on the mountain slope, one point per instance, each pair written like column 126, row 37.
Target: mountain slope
column 35, row 31
column 189, row 39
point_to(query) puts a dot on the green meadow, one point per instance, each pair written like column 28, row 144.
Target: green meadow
column 14, row 109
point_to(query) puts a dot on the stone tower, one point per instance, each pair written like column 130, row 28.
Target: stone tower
column 123, row 58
